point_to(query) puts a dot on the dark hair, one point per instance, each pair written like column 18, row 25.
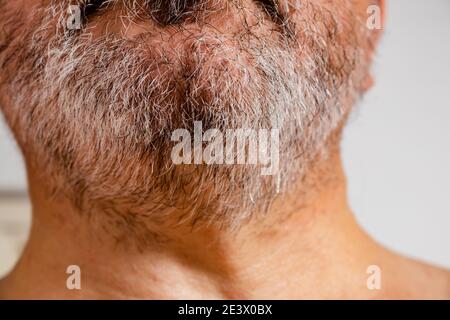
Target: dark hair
column 167, row 12
column 173, row 11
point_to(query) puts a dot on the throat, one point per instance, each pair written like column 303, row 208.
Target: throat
column 299, row 248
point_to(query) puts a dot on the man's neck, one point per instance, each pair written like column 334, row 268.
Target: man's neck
column 312, row 251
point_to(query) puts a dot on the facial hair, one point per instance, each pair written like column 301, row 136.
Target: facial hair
column 97, row 113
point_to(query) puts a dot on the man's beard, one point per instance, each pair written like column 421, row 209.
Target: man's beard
column 97, row 115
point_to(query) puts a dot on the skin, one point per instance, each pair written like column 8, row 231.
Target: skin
column 308, row 246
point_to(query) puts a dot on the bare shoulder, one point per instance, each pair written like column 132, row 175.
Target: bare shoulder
column 435, row 280
column 2, row 290
column 412, row 279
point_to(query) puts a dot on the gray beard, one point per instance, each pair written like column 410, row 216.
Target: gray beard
column 98, row 114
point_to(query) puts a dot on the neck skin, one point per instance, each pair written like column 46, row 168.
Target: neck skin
column 314, row 252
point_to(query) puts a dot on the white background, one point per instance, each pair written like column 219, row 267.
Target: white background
column 397, row 146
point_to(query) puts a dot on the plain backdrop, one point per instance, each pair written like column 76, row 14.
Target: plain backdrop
column 397, row 146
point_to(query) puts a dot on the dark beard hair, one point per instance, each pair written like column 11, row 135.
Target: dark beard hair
column 169, row 12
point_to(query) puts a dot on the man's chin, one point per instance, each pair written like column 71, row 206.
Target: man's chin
column 98, row 114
